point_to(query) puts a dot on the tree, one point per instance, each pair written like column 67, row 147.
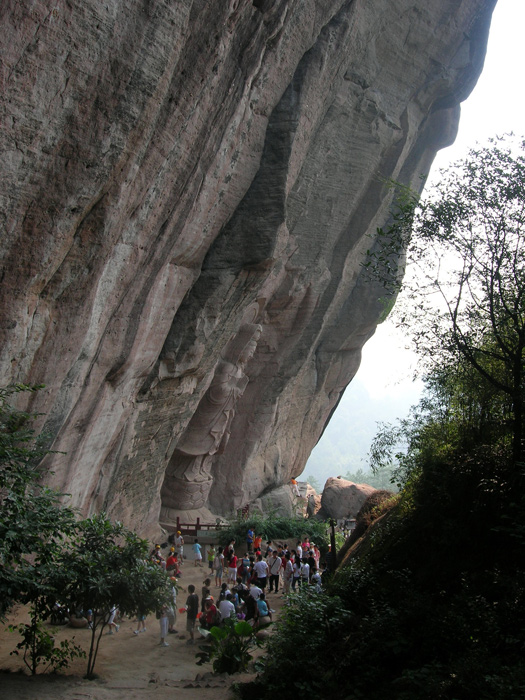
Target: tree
column 33, row 522
column 465, row 306
column 107, row 565
column 314, row 483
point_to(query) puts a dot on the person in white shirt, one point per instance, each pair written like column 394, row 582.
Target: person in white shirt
column 227, row 608
column 305, row 572
column 288, row 573
column 179, row 543
column 275, row 568
column 261, row 569
column 255, row 591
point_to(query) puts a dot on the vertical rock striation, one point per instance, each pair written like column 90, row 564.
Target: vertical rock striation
column 176, row 176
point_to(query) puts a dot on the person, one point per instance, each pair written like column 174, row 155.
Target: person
column 299, row 550
column 211, row 614
column 295, row 487
column 227, row 608
column 255, row 591
column 205, row 593
column 262, row 609
column 197, row 552
column 296, row 572
column 192, row 608
column 224, row 592
column 311, row 562
column 257, row 542
column 163, row 621
column 112, row 625
column 245, row 568
column 179, row 543
column 250, row 608
column 305, row 571
column 269, row 549
column 275, row 569
column 249, row 539
column 211, row 556
column 171, row 561
column 141, row 623
column 261, row 569
column 241, row 589
column 232, row 567
column 156, row 555
column 316, row 580
column 172, row 606
column 288, row 573
column 218, row 563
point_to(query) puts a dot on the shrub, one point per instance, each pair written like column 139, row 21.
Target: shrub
column 274, row 527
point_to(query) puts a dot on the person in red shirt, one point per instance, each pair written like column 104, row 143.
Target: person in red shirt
column 232, row 568
column 172, row 563
column 209, row 619
column 257, row 543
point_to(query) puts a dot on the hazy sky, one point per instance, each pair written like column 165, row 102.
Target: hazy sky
column 496, row 106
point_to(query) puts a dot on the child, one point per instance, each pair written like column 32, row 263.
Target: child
column 211, row 557
column 197, row 552
column 192, row 608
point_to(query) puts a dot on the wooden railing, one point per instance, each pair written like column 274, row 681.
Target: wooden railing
column 192, row 529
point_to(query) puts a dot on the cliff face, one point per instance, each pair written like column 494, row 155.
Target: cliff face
column 188, row 192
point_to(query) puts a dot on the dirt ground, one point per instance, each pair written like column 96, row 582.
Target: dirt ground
column 129, row 666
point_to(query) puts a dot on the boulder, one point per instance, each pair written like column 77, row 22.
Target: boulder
column 343, row 499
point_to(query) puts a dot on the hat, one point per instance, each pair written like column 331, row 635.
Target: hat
column 178, row 532
column 172, row 549
column 157, row 546
column 210, row 597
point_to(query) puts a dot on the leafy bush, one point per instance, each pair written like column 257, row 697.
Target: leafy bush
column 274, row 527
column 39, row 648
column 230, row 646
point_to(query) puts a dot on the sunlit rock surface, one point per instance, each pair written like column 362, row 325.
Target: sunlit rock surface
column 178, row 178
column 342, row 498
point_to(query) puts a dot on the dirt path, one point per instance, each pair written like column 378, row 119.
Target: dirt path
column 129, row 666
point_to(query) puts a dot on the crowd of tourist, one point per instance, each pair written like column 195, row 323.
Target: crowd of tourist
column 244, row 582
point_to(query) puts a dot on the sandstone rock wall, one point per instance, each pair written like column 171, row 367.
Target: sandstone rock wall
column 178, row 174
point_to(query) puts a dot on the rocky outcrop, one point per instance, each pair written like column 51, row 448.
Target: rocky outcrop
column 343, row 499
column 189, row 191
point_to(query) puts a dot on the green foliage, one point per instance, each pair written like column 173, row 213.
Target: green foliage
column 104, row 565
column 314, row 483
column 38, row 645
column 379, row 478
column 273, row 527
column 33, row 523
column 465, row 306
column 433, row 605
column 229, row 646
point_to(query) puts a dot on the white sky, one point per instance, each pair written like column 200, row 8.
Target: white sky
column 496, row 106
